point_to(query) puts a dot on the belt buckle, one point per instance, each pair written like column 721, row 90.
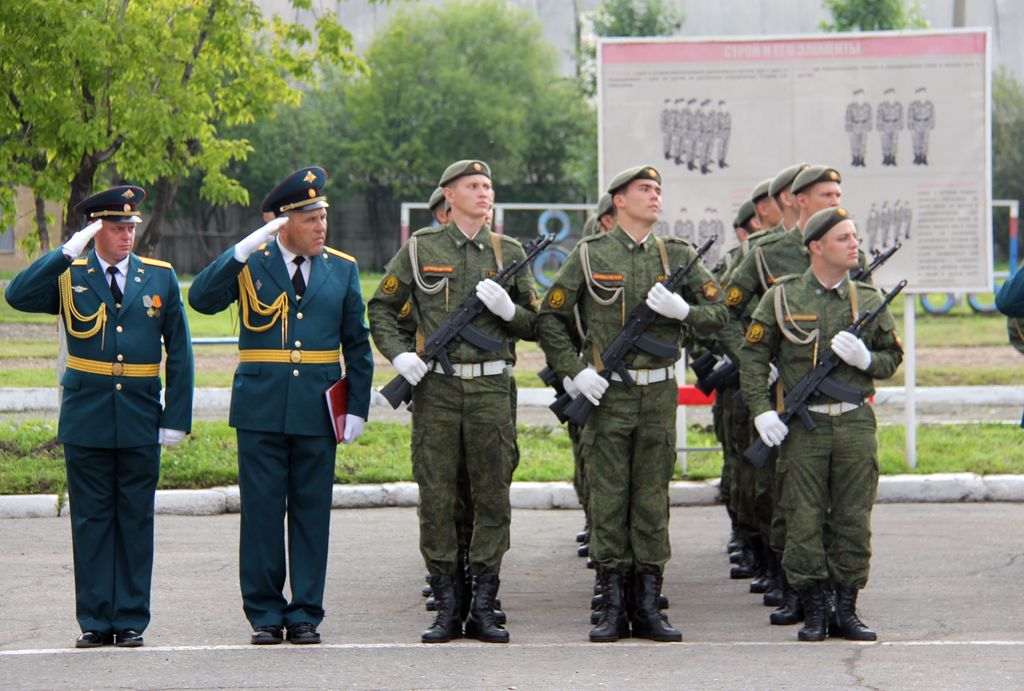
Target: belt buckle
column 643, row 377
column 466, row 372
column 295, row 356
column 117, row 369
column 835, row 409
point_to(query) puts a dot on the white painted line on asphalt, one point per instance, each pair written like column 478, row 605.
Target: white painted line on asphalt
column 263, row 649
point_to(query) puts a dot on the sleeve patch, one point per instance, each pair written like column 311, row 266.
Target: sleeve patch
column 406, row 310
column 389, row 286
column 556, row 298
column 755, row 333
column 734, row 295
column 710, row 290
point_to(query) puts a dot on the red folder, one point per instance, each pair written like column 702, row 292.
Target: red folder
column 337, row 406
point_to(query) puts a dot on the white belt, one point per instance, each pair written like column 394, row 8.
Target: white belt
column 474, row 370
column 643, row 377
column 833, row 409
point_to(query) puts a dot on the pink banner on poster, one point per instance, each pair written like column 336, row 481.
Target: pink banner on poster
column 796, row 49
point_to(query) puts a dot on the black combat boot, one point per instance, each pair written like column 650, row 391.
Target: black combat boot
column 463, row 583
column 584, row 535
column 734, row 543
column 612, row 622
column 761, row 580
column 773, row 596
column 425, row 591
column 583, row 550
column 482, row 624
column 813, row 599
column 747, row 565
column 646, row 619
column 792, row 610
column 446, row 625
column 853, row 629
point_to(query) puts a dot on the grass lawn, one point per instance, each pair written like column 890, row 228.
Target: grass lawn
column 31, row 460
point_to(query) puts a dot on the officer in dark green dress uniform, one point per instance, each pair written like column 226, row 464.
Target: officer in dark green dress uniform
column 629, row 439
column 298, row 301
column 831, row 472
column 464, row 418
column 120, row 312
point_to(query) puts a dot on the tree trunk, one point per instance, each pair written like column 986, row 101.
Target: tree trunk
column 81, row 185
column 165, row 191
column 42, row 229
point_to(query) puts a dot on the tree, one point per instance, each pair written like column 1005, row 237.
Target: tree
column 142, row 90
column 619, row 18
column 873, row 15
column 464, row 80
column 1007, row 134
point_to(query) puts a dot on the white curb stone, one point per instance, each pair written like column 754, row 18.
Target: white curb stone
column 531, row 495
column 359, row 496
column 940, row 487
column 563, row 496
column 1004, row 488
column 191, row 502
column 687, row 493
column 232, row 498
column 29, row 506
column 404, row 493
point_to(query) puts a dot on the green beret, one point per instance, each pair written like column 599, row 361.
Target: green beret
column 461, row 168
column 589, row 228
column 823, row 221
column 814, row 174
column 761, row 191
column 785, row 177
column 744, row 215
column 630, row 174
column 436, row 197
column 604, row 205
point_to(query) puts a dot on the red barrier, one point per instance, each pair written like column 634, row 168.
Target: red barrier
column 691, row 395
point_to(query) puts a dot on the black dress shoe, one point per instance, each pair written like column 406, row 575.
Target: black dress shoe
column 129, row 638
column 93, row 639
column 267, row 635
column 303, row 633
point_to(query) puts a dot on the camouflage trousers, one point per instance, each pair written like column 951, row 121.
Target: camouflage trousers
column 579, row 469
column 834, row 467
column 742, row 475
column 629, row 448
column 463, row 422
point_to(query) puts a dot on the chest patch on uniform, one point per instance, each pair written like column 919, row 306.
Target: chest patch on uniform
column 734, row 295
column 406, row 310
column 556, row 298
column 437, row 269
column 710, row 290
column 607, row 277
column 389, row 286
column 801, row 317
column 755, row 333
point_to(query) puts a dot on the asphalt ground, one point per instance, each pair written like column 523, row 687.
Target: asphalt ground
column 944, row 597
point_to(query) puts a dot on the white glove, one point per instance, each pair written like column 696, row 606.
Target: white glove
column 591, row 384
column 771, row 428
column 496, row 299
column 353, row 428
column 851, row 350
column 570, row 387
column 253, row 240
column 410, row 366
column 773, row 373
column 722, row 362
column 77, row 242
column 666, row 303
column 169, row 437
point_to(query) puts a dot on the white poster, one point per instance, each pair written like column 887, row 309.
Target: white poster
column 903, row 116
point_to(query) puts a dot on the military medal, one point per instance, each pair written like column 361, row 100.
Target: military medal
column 153, row 303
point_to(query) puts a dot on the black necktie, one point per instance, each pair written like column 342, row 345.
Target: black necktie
column 115, row 289
column 298, row 282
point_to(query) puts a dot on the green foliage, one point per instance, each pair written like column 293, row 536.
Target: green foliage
column 464, row 80
column 1007, row 135
column 873, row 15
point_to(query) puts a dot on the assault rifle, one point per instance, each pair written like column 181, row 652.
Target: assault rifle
column 711, row 378
column 632, row 337
column 818, row 381
column 459, row 327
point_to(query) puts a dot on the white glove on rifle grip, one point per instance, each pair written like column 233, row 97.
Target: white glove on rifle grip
column 570, row 387
column 851, row 350
column 771, row 428
column 666, row 303
column 591, row 384
column 77, row 242
column 410, row 366
column 496, row 299
column 253, row 240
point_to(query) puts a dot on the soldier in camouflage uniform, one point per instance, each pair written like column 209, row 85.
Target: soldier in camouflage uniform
column 889, row 122
column 629, row 439
column 921, row 121
column 858, row 125
column 466, row 417
column 833, row 469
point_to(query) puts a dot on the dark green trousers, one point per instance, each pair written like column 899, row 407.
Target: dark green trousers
column 835, row 466
column 112, row 493
column 284, row 475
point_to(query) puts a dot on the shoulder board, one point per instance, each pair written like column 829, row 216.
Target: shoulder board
column 149, row 261
column 867, row 286
column 510, row 240
column 80, row 262
column 785, row 278
column 430, row 230
column 263, row 246
column 336, row 253
column 596, row 237
column 678, row 241
column 770, row 239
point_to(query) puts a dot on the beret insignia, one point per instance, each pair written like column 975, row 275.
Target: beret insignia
column 556, row 298
column 755, row 333
column 734, row 295
column 389, row 286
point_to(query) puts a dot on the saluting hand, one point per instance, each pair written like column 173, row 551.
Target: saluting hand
column 666, row 303
column 851, row 350
column 496, row 299
column 264, row 233
column 77, row 242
